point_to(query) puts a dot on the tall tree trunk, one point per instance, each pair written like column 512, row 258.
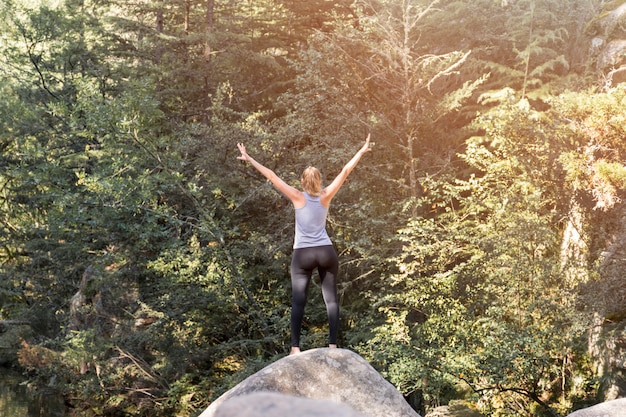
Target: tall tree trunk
column 530, row 44
column 186, row 28
column 160, row 27
column 187, row 12
column 574, row 250
column 210, row 9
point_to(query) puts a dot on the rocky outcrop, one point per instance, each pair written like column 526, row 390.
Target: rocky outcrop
column 609, row 46
column 615, row 408
column 613, row 22
column 607, row 347
column 335, row 376
column 607, row 297
column 271, row 404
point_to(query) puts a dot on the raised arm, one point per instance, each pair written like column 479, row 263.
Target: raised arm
column 293, row 194
column 329, row 192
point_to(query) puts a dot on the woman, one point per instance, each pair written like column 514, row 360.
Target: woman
column 312, row 247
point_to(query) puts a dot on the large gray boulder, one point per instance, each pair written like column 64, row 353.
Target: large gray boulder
column 614, row 408
column 336, row 375
column 270, row 404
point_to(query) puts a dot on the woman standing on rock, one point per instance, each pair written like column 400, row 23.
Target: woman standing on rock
column 312, row 247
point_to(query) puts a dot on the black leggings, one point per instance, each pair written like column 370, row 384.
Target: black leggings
column 303, row 262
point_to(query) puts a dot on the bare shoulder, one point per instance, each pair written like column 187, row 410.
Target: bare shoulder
column 326, row 197
column 298, row 199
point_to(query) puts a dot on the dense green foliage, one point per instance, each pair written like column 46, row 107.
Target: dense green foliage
column 152, row 265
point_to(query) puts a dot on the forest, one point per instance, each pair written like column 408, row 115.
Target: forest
column 482, row 243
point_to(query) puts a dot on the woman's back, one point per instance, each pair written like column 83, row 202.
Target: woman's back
column 311, row 224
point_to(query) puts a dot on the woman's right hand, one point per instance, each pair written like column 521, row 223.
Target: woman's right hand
column 366, row 147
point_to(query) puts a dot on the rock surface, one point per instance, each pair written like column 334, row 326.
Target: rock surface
column 615, row 408
column 335, row 375
column 269, row 404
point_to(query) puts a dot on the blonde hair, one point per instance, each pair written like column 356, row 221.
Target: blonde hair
column 312, row 181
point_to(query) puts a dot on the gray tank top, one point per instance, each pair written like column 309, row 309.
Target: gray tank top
column 311, row 224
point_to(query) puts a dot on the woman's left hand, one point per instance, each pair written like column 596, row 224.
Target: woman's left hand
column 244, row 155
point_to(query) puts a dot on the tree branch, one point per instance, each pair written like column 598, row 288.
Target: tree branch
column 521, row 391
column 448, row 70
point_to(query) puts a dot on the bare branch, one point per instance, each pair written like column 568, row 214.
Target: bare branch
column 448, row 70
